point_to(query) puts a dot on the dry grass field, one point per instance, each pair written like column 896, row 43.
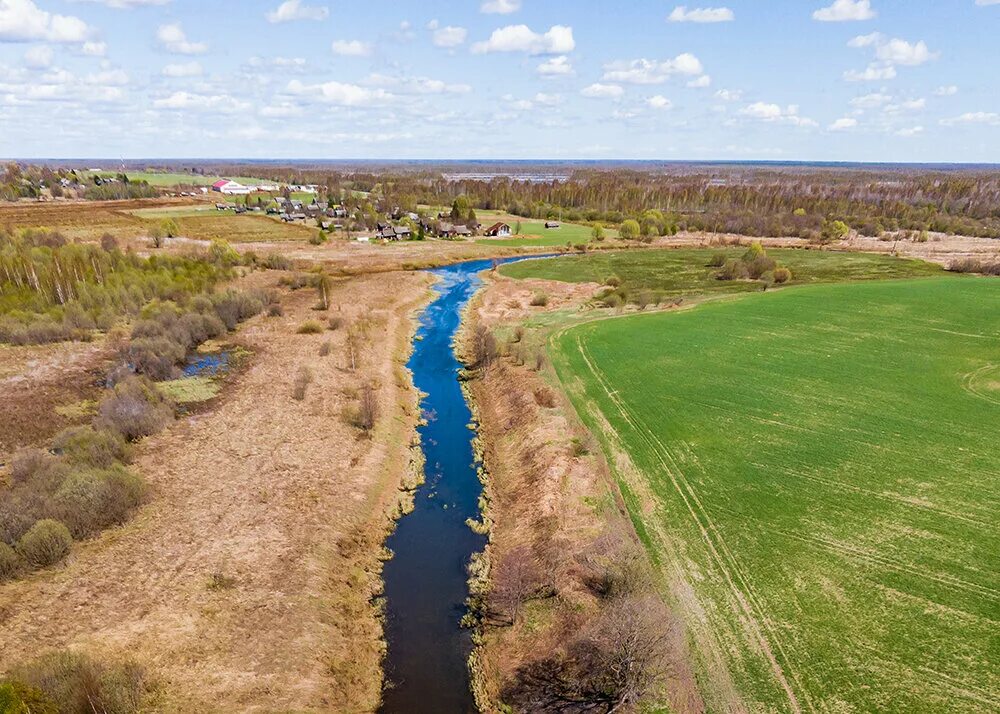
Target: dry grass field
column 245, row 583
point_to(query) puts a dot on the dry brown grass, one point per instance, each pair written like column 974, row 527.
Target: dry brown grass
column 291, row 506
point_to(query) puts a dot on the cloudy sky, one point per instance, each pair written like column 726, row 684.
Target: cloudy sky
column 857, row 80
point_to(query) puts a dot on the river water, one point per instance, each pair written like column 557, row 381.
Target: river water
column 426, row 580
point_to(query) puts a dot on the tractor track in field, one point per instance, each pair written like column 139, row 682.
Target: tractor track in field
column 748, row 602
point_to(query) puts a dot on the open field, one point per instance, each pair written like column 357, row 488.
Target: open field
column 814, row 470
column 534, row 233
column 678, row 272
column 166, row 179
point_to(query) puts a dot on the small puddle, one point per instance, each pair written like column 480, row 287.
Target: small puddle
column 209, row 364
column 426, row 583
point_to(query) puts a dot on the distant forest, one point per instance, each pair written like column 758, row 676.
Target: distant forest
column 747, row 199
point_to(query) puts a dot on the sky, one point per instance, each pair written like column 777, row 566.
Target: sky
column 811, row 80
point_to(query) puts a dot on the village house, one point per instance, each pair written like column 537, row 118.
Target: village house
column 551, row 224
column 498, row 230
column 231, row 188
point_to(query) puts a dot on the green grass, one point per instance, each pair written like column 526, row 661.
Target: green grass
column 820, row 465
column 534, row 233
column 190, row 390
column 676, row 272
column 156, row 178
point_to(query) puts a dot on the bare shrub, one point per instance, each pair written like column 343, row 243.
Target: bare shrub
column 367, row 412
column 310, row 327
column 85, row 445
column 335, row 322
column 303, row 378
column 782, row 275
column 155, row 357
column 25, row 463
column 221, row 581
column 516, row 579
column 234, row 306
column 276, row 261
column 275, row 310
column 972, row 265
column 324, row 349
column 539, row 361
column 517, row 335
column 484, row 347
column 109, row 242
column 717, row 260
column 609, row 667
column 539, row 299
column 135, row 408
column 45, row 543
column 545, row 398
column 76, row 683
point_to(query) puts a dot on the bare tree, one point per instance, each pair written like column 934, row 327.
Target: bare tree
column 516, row 579
column 484, row 347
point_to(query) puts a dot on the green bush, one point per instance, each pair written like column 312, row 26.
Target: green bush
column 310, row 327
column 79, row 684
column 91, row 500
column 10, row 566
column 85, row 445
column 19, row 698
column 45, row 543
column 782, row 275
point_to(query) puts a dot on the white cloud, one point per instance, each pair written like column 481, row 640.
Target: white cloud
column 908, row 54
column 185, row 69
column 644, row 71
column 659, row 102
column 449, row 36
column 416, row 85
column 991, row 118
column 555, row 67
column 843, row 124
column 949, row 90
column 38, row 57
column 701, row 82
column 548, row 100
column 701, row 14
column 871, row 101
column 281, row 111
column 129, row 4
column 774, row 113
column 603, row 91
column 173, row 39
column 873, row 73
column 351, row 48
column 340, row 93
column 846, row 11
column 987, row 2
column 23, row 21
column 94, row 49
column 521, row 38
column 500, row 7
column 910, row 132
column 729, row 95
column 213, row 103
column 292, row 10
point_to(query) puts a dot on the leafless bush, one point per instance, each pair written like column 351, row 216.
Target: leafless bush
column 539, row 361
column 972, row 265
column 609, row 667
column 324, row 349
column 484, row 347
column 90, row 500
column 25, row 463
column 545, row 398
column 517, row 335
column 135, row 408
column 367, row 412
column 539, row 300
column 335, row 322
column 516, row 579
column 303, row 379
column 234, row 306
column 109, row 242
column 275, row 310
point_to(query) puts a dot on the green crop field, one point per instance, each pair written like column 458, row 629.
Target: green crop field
column 815, row 470
column 163, row 179
column 685, row 271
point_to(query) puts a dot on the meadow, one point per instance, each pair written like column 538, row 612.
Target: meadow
column 534, row 233
column 167, row 179
column 686, row 271
column 814, row 470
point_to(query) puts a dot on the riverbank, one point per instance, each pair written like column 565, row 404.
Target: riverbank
column 559, row 531
column 250, row 581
